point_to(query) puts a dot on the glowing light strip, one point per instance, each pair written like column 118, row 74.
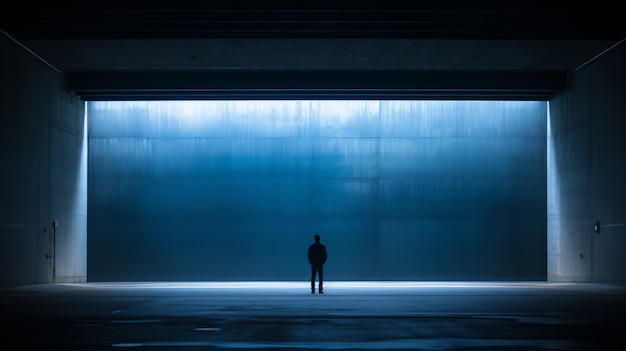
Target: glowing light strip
column 328, row 284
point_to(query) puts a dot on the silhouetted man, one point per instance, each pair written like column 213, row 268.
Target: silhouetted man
column 317, row 258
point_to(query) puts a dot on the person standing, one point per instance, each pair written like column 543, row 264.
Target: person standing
column 317, row 258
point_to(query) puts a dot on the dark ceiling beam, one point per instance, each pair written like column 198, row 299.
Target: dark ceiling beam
column 227, row 19
column 290, row 95
column 316, row 85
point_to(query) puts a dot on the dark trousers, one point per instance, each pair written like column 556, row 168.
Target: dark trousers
column 319, row 271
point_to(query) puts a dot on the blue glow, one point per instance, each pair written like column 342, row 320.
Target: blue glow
column 398, row 190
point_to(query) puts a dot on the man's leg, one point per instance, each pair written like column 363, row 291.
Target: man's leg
column 312, row 280
column 321, row 278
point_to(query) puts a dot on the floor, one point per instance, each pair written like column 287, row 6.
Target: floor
column 286, row 316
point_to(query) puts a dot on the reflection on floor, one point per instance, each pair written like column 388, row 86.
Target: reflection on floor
column 286, row 316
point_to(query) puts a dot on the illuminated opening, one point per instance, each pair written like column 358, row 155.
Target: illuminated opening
column 397, row 190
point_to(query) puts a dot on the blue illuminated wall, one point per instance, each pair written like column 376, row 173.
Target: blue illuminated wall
column 397, row 190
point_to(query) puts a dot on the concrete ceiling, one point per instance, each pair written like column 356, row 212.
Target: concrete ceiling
column 448, row 49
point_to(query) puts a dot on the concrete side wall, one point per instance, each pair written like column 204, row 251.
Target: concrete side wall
column 235, row 190
column 587, row 174
column 43, row 173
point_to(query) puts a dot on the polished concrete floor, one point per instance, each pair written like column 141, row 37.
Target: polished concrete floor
column 286, row 316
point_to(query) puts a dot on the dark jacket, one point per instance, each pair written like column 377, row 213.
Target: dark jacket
column 317, row 254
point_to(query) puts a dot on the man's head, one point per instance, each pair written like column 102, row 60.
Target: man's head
column 316, row 237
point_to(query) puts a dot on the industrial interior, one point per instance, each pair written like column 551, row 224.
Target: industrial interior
column 164, row 168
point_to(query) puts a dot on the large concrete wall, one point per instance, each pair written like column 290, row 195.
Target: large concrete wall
column 587, row 174
column 42, row 173
column 215, row 190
